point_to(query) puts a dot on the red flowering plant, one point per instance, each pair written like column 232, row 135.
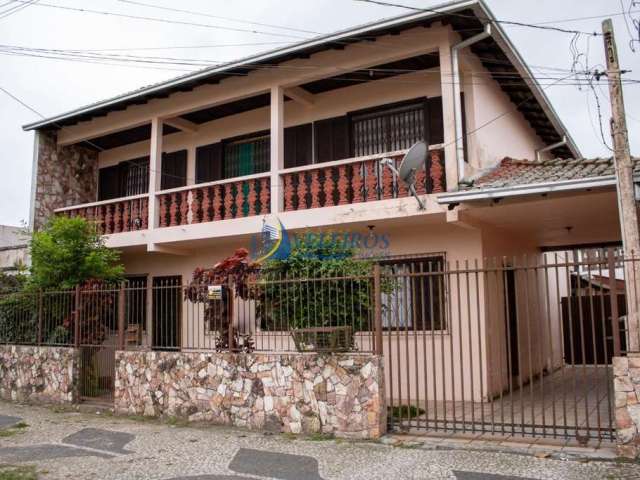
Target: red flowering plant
column 234, row 273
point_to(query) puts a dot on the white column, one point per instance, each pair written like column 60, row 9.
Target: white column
column 191, row 165
column 155, row 164
column 277, row 147
column 448, row 115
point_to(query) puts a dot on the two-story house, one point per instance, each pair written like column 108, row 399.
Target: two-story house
column 181, row 173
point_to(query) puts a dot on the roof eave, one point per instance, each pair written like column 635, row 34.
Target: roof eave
column 530, row 189
column 443, row 8
column 516, row 59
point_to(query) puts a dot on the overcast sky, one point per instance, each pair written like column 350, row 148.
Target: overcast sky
column 54, row 86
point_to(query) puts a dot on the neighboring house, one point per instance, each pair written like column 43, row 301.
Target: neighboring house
column 181, row 173
column 14, row 251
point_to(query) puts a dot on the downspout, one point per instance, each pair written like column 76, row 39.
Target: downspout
column 455, row 69
column 550, row 147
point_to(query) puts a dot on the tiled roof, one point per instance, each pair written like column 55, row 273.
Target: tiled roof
column 510, row 172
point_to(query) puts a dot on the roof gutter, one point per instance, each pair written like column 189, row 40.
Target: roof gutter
column 550, row 147
column 532, row 189
column 457, row 104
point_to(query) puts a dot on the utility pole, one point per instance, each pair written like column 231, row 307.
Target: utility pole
column 625, row 187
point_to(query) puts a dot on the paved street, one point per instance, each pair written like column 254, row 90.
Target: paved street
column 88, row 446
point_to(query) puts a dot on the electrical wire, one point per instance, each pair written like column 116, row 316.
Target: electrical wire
column 459, row 15
column 17, row 8
column 202, row 14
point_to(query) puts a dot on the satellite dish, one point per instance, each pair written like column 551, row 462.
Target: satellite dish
column 413, row 161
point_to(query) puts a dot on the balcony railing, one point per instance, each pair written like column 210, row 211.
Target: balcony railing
column 114, row 216
column 220, row 200
column 329, row 184
column 356, row 181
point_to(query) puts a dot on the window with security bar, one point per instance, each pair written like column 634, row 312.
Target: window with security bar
column 247, row 157
column 388, row 129
column 415, row 298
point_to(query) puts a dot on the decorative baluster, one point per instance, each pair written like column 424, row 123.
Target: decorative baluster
column 144, row 215
column 184, row 207
column 371, row 180
column 173, row 209
column 357, row 182
column 217, row 202
column 196, row 206
column 288, row 192
column 117, row 217
column 126, row 217
column 315, row 189
column 206, row 205
column 135, row 215
column 252, row 197
column 402, row 188
column 343, row 185
column 163, row 200
column 436, row 172
column 239, row 200
column 387, row 183
column 228, row 201
column 100, row 219
column 301, row 191
column 329, row 187
column 265, row 195
column 108, row 220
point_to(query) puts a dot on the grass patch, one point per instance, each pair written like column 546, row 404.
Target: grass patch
column 13, row 430
column 320, row 437
column 289, row 436
column 405, row 411
column 8, row 472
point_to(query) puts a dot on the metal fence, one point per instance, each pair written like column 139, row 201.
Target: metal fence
column 509, row 346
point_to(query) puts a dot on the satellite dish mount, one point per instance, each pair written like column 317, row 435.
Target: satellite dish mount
column 413, row 161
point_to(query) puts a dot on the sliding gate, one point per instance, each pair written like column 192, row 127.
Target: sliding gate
column 515, row 347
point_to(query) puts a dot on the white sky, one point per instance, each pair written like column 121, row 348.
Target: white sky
column 54, row 86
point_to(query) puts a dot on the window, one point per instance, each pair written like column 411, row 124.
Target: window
column 174, row 170
column 209, row 163
column 417, row 297
column 247, row 156
column 125, row 179
column 388, row 129
column 136, row 301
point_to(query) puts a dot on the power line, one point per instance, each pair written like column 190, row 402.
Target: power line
column 17, row 8
column 190, row 12
column 162, row 20
column 502, row 22
column 8, row 93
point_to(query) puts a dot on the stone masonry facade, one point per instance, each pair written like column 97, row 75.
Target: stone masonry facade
column 341, row 395
column 65, row 176
column 626, row 384
column 39, row 374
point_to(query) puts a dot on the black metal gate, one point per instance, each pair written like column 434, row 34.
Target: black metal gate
column 508, row 346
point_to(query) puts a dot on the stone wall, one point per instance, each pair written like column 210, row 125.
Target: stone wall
column 626, row 384
column 65, row 176
column 341, row 395
column 38, row 374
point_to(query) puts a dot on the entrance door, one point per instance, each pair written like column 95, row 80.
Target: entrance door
column 167, row 309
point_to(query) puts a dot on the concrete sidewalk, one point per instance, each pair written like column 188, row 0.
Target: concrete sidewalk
column 62, row 444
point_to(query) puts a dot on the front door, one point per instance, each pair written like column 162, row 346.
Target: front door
column 167, row 312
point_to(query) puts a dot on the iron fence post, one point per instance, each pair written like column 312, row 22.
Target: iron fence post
column 613, row 296
column 39, row 339
column 121, row 316
column 231, row 337
column 377, row 316
column 76, row 318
